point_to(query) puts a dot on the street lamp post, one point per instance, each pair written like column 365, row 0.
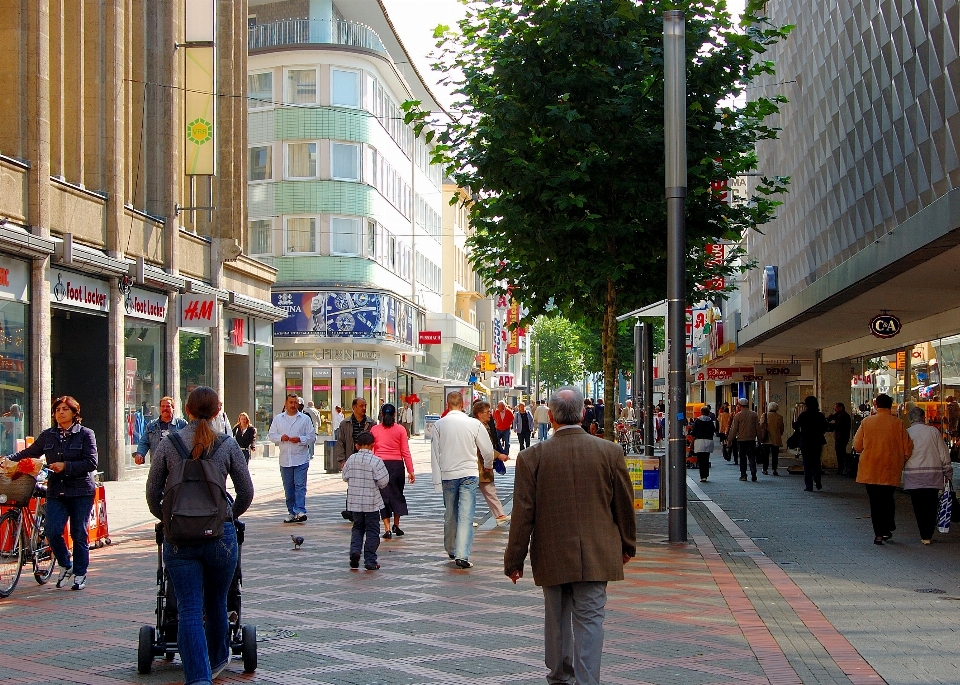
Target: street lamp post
column 675, row 137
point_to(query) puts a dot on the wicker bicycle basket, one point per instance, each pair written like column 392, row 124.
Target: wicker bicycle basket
column 17, row 489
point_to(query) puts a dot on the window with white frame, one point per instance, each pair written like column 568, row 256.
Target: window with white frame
column 300, row 235
column 260, row 166
column 344, row 88
column 345, row 161
column 260, row 237
column 301, row 160
column 344, row 235
column 370, row 242
column 260, row 90
column 302, row 86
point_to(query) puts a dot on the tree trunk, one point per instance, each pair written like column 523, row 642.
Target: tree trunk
column 608, row 346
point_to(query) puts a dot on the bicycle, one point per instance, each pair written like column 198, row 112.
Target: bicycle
column 22, row 536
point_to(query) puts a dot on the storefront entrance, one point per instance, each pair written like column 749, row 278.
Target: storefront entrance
column 78, row 355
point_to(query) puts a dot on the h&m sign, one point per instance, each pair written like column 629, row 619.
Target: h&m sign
column 198, row 311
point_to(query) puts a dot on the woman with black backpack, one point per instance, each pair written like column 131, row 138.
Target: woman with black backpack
column 201, row 569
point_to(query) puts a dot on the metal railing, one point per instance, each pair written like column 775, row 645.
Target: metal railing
column 307, row 31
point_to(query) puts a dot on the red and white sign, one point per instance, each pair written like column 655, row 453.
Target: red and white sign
column 502, row 380
column 79, row 291
column 236, row 332
column 130, row 381
column 430, row 337
column 719, row 374
column 143, row 304
column 198, row 311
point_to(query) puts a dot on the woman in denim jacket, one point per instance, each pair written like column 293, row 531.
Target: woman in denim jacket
column 71, row 454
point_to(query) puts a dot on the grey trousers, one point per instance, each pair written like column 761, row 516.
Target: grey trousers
column 573, row 632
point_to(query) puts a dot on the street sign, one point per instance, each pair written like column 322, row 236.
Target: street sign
column 885, row 325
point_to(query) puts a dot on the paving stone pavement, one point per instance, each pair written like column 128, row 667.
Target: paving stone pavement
column 796, row 594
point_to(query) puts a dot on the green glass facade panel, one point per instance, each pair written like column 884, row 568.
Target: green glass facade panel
column 325, row 197
column 313, row 123
column 261, row 127
column 339, row 271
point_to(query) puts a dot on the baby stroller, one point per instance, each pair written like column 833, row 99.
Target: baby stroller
column 162, row 639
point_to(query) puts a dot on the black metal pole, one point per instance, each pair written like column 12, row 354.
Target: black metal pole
column 648, row 390
column 638, row 372
column 674, row 78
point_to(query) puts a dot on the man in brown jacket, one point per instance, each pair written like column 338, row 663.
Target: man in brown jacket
column 884, row 447
column 573, row 496
column 743, row 432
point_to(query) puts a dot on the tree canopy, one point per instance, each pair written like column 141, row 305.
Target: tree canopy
column 558, row 133
column 561, row 351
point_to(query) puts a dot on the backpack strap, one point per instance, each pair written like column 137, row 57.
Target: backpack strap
column 179, row 445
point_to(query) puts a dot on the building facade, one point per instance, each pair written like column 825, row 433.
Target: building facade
column 856, row 287
column 112, row 288
column 346, row 205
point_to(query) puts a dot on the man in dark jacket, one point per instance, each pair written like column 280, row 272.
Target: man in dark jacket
column 157, row 430
column 572, row 557
column 839, row 422
column 347, row 434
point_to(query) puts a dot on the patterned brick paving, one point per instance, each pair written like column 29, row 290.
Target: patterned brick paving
column 681, row 617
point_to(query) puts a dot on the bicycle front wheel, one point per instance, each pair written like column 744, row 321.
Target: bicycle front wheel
column 43, row 559
column 11, row 552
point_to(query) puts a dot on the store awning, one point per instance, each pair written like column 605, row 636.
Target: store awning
column 430, row 379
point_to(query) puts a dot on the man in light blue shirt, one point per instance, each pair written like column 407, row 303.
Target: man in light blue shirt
column 295, row 435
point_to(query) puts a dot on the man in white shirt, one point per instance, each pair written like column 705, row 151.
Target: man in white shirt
column 457, row 439
column 541, row 416
column 294, row 433
column 311, row 411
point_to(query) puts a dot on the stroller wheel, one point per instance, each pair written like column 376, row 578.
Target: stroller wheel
column 145, row 649
column 249, row 638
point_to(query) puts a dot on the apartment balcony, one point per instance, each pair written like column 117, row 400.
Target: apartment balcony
column 313, row 32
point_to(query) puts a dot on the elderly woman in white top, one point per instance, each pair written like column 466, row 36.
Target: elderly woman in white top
column 925, row 471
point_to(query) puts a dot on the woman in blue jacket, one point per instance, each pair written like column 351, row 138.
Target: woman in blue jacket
column 71, row 454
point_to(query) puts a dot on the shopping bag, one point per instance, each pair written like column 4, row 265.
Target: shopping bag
column 946, row 509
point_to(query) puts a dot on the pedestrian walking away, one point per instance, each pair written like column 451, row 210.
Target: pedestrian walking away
column 70, row 451
column 723, row 424
column 884, row 447
column 925, row 472
column 541, row 416
column 201, row 572
column 347, row 433
column 157, row 430
column 839, row 423
column 391, row 445
column 522, row 426
column 573, row 556
column 504, row 419
column 245, row 435
column 599, row 414
column 743, row 433
column 812, row 426
column 293, row 432
column 704, row 428
column 482, row 413
column 311, row 411
column 457, row 438
column 366, row 476
column 773, row 424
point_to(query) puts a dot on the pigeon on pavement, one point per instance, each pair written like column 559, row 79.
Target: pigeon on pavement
column 297, row 541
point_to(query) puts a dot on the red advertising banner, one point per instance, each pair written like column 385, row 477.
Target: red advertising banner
column 429, row 337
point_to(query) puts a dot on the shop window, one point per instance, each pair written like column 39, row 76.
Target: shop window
column 301, row 160
column 348, row 388
column 345, row 236
column 300, row 235
column 261, row 237
column 260, row 90
column 195, row 363
column 368, row 388
column 370, row 243
column 292, row 382
column 322, row 381
column 345, row 162
column 260, row 167
column 263, row 389
column 345, row 88
column 302, row 86
column 14, row 385
column 144, row 368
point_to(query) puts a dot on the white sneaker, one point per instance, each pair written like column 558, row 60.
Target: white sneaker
column 79, row 582
column 65, row 574
column 476, row 525
column 503, row 520
column 216, row 673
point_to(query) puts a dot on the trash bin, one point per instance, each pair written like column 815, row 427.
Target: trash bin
column 428, row 422
column 330, row 464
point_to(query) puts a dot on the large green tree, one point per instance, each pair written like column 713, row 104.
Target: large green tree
column 558, row 132
column 561, row 351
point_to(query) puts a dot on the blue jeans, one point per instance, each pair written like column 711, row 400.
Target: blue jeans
column 460, row 504
column 504, row 438
column 295, row 487
column 201, row 576
column 77, row 509
column 366, row 524
column 543, row 428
